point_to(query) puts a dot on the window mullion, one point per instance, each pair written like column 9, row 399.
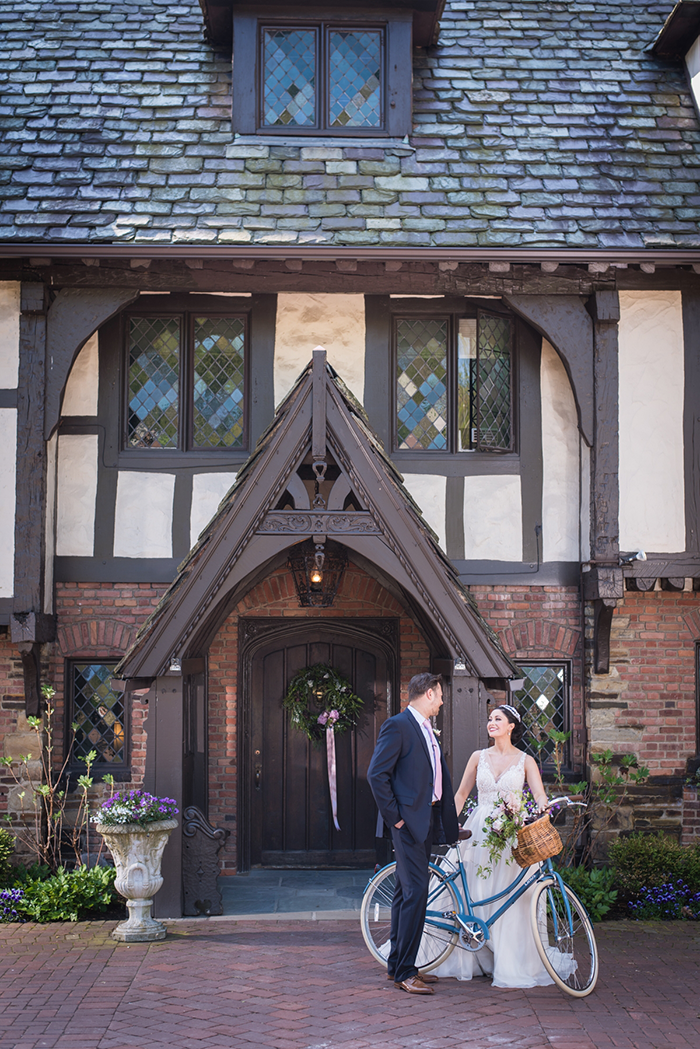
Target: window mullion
column 186, row 365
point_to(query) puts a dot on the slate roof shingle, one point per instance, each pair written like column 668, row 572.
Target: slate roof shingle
column 537, row 124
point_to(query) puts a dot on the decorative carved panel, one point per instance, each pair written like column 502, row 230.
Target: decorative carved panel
column 318, row 522
column 201, row 844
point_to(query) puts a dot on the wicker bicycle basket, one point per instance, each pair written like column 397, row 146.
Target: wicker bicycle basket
column 537, row 841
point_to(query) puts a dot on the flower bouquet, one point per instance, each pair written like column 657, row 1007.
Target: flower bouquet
column 500, row 831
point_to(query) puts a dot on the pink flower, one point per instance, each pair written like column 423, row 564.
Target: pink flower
column 322, row 718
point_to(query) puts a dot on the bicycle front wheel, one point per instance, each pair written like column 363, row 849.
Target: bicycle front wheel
column 564, row 938
column 440, row 934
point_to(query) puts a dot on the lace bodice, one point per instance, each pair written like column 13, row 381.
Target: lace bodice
column 491, row 790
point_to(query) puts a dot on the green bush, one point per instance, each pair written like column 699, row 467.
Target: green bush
column 68, row 895
column 646, row 861
column 594, row 888
column 7, row 847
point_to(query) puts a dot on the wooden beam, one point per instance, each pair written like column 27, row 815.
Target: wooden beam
column 73, row 317
column 31, row 454
column 565, row 323
column 605, row 491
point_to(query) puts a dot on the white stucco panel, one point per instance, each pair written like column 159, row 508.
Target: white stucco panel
column 8, row 443
column 430, row 492
column 143, row 518
column 81, row 389
column 76, row 495
column 493, row 518
column 207, row 492
column 652, row 487
column 560, row 461
column 336, row 322
column 9, row 334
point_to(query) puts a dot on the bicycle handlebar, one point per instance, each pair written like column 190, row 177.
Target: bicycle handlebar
column 572, row 799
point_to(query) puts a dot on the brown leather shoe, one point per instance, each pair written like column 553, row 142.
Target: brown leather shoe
column 425, row 977
column 414, row 985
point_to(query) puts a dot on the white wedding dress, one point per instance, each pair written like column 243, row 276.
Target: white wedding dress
column 510, row 955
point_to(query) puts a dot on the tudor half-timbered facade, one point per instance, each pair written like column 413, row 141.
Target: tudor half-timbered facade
column 416, row 287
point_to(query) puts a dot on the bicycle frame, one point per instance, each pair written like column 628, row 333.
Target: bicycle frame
column 436, row 918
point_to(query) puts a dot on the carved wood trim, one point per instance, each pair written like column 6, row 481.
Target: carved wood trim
column 564, row 322
column 325, row 522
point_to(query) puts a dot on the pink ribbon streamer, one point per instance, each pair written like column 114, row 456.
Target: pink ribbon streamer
column 332, row 779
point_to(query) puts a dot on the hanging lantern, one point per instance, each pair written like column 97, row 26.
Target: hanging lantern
column 317, row 572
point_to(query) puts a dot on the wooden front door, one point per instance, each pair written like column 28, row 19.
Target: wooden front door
column 290, row 819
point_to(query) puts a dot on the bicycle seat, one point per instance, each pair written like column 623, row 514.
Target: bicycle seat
column 464, row 835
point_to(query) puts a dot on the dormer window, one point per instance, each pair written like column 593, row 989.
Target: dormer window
column 323, row 70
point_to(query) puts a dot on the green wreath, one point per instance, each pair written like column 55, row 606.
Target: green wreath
column 318, row 696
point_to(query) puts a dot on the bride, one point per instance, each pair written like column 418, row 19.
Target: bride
column 499, row 773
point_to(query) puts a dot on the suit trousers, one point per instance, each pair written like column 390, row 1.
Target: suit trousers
column 410, row 899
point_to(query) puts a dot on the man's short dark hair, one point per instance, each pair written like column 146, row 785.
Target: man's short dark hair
column 420, row 683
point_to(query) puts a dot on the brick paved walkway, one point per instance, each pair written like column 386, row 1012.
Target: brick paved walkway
column 312, row 985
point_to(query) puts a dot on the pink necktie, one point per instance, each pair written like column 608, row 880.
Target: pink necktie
column 437, row 782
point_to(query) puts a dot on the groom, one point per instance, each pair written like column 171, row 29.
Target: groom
column 413, row 792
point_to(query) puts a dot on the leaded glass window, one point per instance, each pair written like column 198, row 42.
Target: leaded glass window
column 154, row 381
column 321, row 77
column 186, row 382
column 454, row 383
column 98, row 715
column 219, row 359
column 355, row 78
column 289, row 77
column 543, row 702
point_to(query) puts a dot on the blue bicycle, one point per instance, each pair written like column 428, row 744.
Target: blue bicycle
column 560, row 925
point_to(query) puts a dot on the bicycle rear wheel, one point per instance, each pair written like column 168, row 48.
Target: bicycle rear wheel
column 564, row 938
column 439, row 934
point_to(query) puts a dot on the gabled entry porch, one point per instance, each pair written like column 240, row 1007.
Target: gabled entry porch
column 217, row 655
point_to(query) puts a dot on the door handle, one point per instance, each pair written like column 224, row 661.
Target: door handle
column 257, row 777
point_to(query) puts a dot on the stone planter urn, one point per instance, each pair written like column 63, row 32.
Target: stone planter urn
column 138, row 850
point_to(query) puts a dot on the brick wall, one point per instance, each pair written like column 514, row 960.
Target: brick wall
column 13, row 724
column 646, row 704
column 360, row 596
column 541, row 622
column 98, row 621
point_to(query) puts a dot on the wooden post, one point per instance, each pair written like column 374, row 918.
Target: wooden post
column 604, row 584
column 164, row 749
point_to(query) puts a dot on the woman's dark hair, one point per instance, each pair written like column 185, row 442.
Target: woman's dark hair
column 518, row 728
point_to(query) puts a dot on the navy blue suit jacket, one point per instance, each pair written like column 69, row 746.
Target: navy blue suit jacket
column 400, row 775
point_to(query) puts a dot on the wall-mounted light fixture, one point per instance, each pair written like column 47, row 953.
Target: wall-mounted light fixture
column 317, row 571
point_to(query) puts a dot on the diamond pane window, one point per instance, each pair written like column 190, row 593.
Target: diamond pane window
column 187, row 382
column 421, row 383
column 355, row 76
column 454, row 377
column 219, row 392
column 154, row 380
column 98, row 714
column 289, row 77
column 494, row 381
column 542, row 702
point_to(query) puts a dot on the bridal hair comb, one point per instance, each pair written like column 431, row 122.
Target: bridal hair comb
column 511, row 710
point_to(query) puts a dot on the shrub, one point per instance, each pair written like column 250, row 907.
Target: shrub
column 594, row 888
column 68, row 895
column 648, row 861
column 667, row 902
column 7, row 847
